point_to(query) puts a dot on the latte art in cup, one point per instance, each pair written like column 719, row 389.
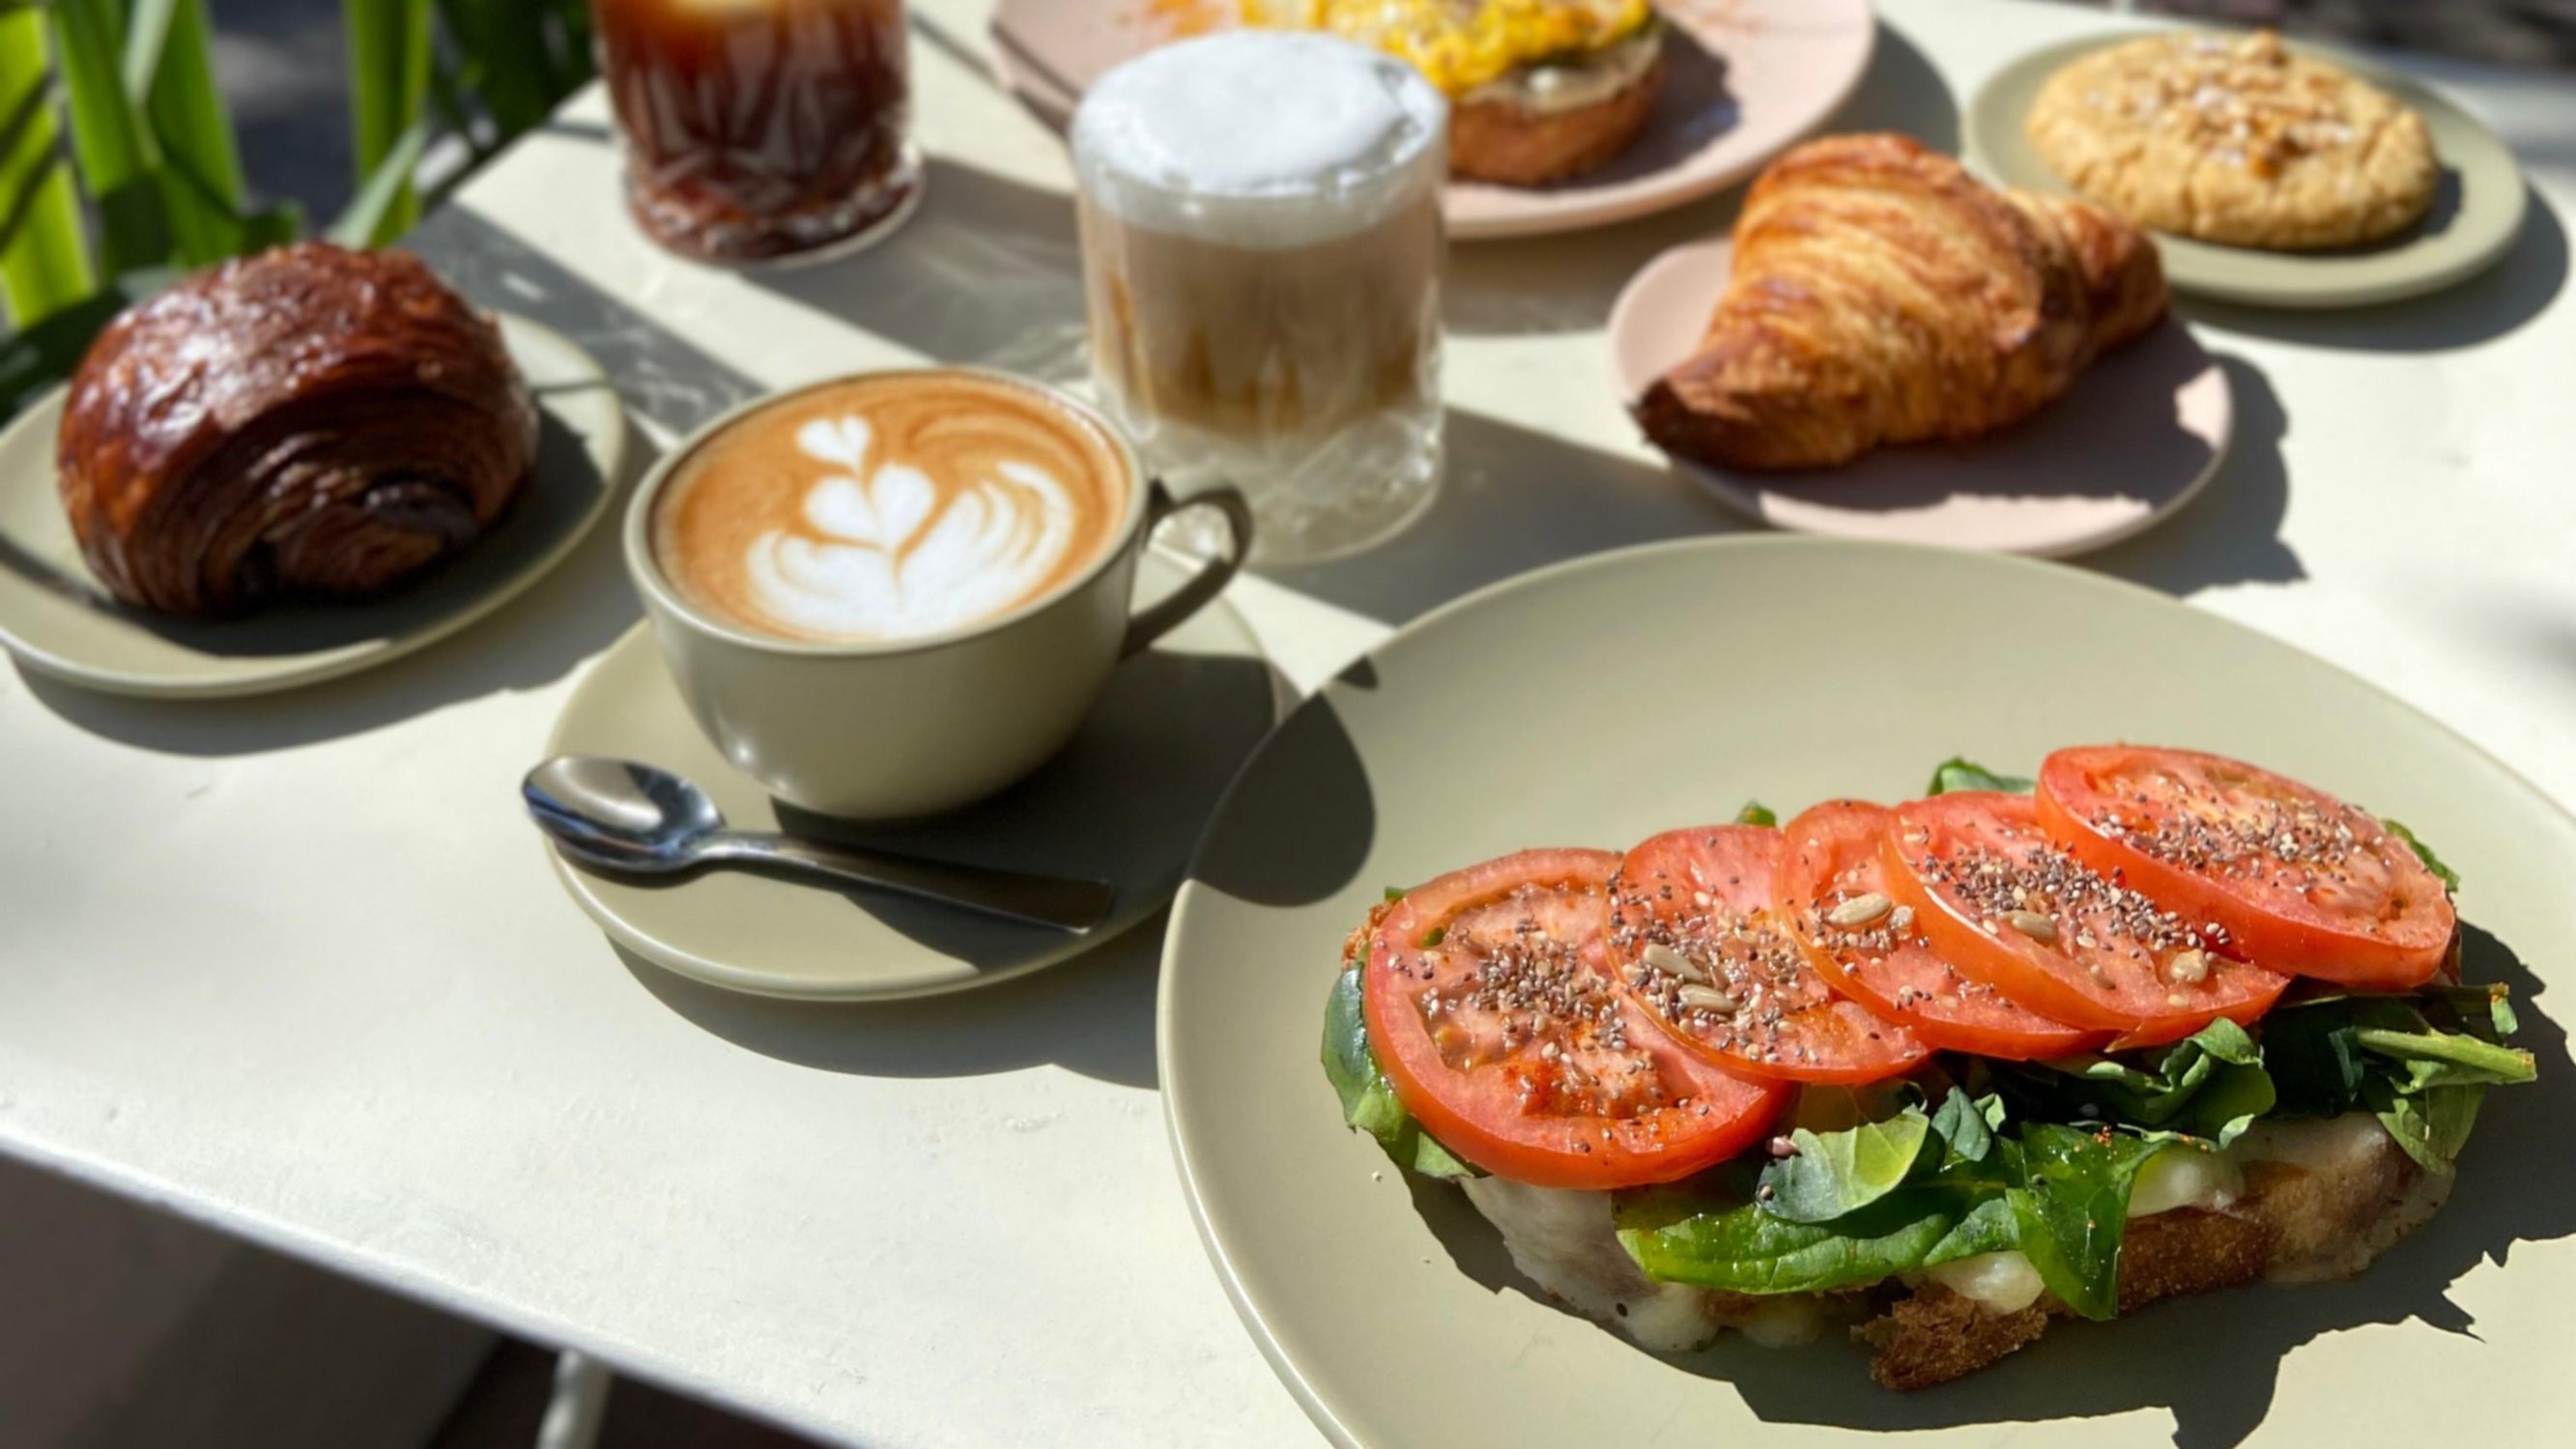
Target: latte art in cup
column 890, row 507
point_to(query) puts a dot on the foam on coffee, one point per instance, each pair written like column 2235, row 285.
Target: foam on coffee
column 1259, row 138
column 889, row 507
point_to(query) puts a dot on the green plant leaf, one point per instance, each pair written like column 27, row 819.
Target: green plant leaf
column 389, row 56
column 200, row 169
column 510, row 49
column 1957, row 773
column 1756, row 813
column 383, row 208
column 44, row 251
column 120, row 160
column 147, row 30
column 1831, row 1174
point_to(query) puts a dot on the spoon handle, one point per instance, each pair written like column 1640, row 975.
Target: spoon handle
column 1068, row 905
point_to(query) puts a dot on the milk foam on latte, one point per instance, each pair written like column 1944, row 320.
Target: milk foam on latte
column 890, row 507
column 1260, row 139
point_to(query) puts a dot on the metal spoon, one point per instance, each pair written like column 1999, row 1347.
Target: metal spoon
column 618, row 815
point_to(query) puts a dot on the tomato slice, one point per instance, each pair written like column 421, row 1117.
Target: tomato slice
column 1693, row 933
column 1493, row 1011
column 1876, row 954
column 2298, row 879
column 2012, row 908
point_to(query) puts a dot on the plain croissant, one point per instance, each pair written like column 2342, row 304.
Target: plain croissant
column 1881, row 294
column 309, row 423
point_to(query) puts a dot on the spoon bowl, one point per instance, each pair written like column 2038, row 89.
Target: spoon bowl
column 625, row 816
column 628, row 815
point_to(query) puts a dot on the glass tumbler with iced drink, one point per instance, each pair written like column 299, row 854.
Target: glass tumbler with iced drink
column 1262, row 252
column 762, row 129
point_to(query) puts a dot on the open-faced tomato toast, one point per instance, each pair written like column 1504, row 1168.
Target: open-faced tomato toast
column 1944, row 1071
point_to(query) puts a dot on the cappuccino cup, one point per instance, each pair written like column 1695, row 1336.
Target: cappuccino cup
column 894, row 593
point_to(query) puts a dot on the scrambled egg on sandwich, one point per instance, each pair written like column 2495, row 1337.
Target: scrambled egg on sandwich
column 1463, row 44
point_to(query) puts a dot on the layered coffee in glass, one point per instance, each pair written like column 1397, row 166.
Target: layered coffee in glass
column 1262, row 253
column 760, row 129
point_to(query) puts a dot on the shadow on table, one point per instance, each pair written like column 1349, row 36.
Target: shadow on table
column 1514, row 499
column 2518, row 288
column 2231, row 533
column 1093, row 1015
column 987, row 272
column 1567, row 282
column 1124, row 802
column 658, row 375
column 2213, row 1360
column 529, row 642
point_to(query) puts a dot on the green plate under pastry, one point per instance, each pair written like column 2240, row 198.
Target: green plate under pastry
column 57, row 620
column 2476, row 215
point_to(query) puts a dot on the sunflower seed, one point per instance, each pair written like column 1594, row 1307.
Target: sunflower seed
column 1860, row 910
column 1708, row 998
column 2032, row 924
column 1673, row 963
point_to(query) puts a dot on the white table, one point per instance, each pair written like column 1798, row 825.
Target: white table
column 296, row 967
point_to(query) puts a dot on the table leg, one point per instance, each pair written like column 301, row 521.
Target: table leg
column 580, row 1400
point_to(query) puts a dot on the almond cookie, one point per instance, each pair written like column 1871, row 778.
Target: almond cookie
column 2239, row 141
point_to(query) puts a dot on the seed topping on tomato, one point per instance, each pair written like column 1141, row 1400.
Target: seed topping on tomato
column 2050, row 897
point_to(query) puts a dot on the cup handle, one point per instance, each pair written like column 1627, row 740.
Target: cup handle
column 1211, row 578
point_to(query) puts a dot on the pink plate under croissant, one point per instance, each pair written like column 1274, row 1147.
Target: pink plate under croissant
column 2138, row 435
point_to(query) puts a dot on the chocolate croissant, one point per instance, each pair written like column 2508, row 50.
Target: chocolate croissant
column 1881, row 294
column 309, row 423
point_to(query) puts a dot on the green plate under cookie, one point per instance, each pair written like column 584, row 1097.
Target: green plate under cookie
column 2475, row 218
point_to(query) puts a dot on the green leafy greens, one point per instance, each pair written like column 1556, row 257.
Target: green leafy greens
column 1957, row 773
column 1914, row 1188
column 2449, row 878
column 1368, row 1099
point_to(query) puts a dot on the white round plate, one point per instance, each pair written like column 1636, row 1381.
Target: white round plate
column 2138, row 434
column 1123, row 803
column 1744, row 80
column 57, row 620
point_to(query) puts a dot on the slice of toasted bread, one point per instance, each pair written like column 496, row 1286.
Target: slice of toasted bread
column 1503, row 138
column 2320, row 1200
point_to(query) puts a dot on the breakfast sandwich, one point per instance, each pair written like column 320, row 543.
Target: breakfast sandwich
column 1943, row 1074
column 1539, row 90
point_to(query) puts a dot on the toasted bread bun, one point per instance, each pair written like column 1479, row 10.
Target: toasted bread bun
column 1497, row 134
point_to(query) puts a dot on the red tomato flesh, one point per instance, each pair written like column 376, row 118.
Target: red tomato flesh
column 2299, row 880
column 1493, row 1011
column 2010, row 907
column 1876, row 953
column 1693, row 933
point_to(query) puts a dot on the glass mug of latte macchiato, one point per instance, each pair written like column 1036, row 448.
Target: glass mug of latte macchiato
column 1262, row 249
column 898, row 592
column 760, row 129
